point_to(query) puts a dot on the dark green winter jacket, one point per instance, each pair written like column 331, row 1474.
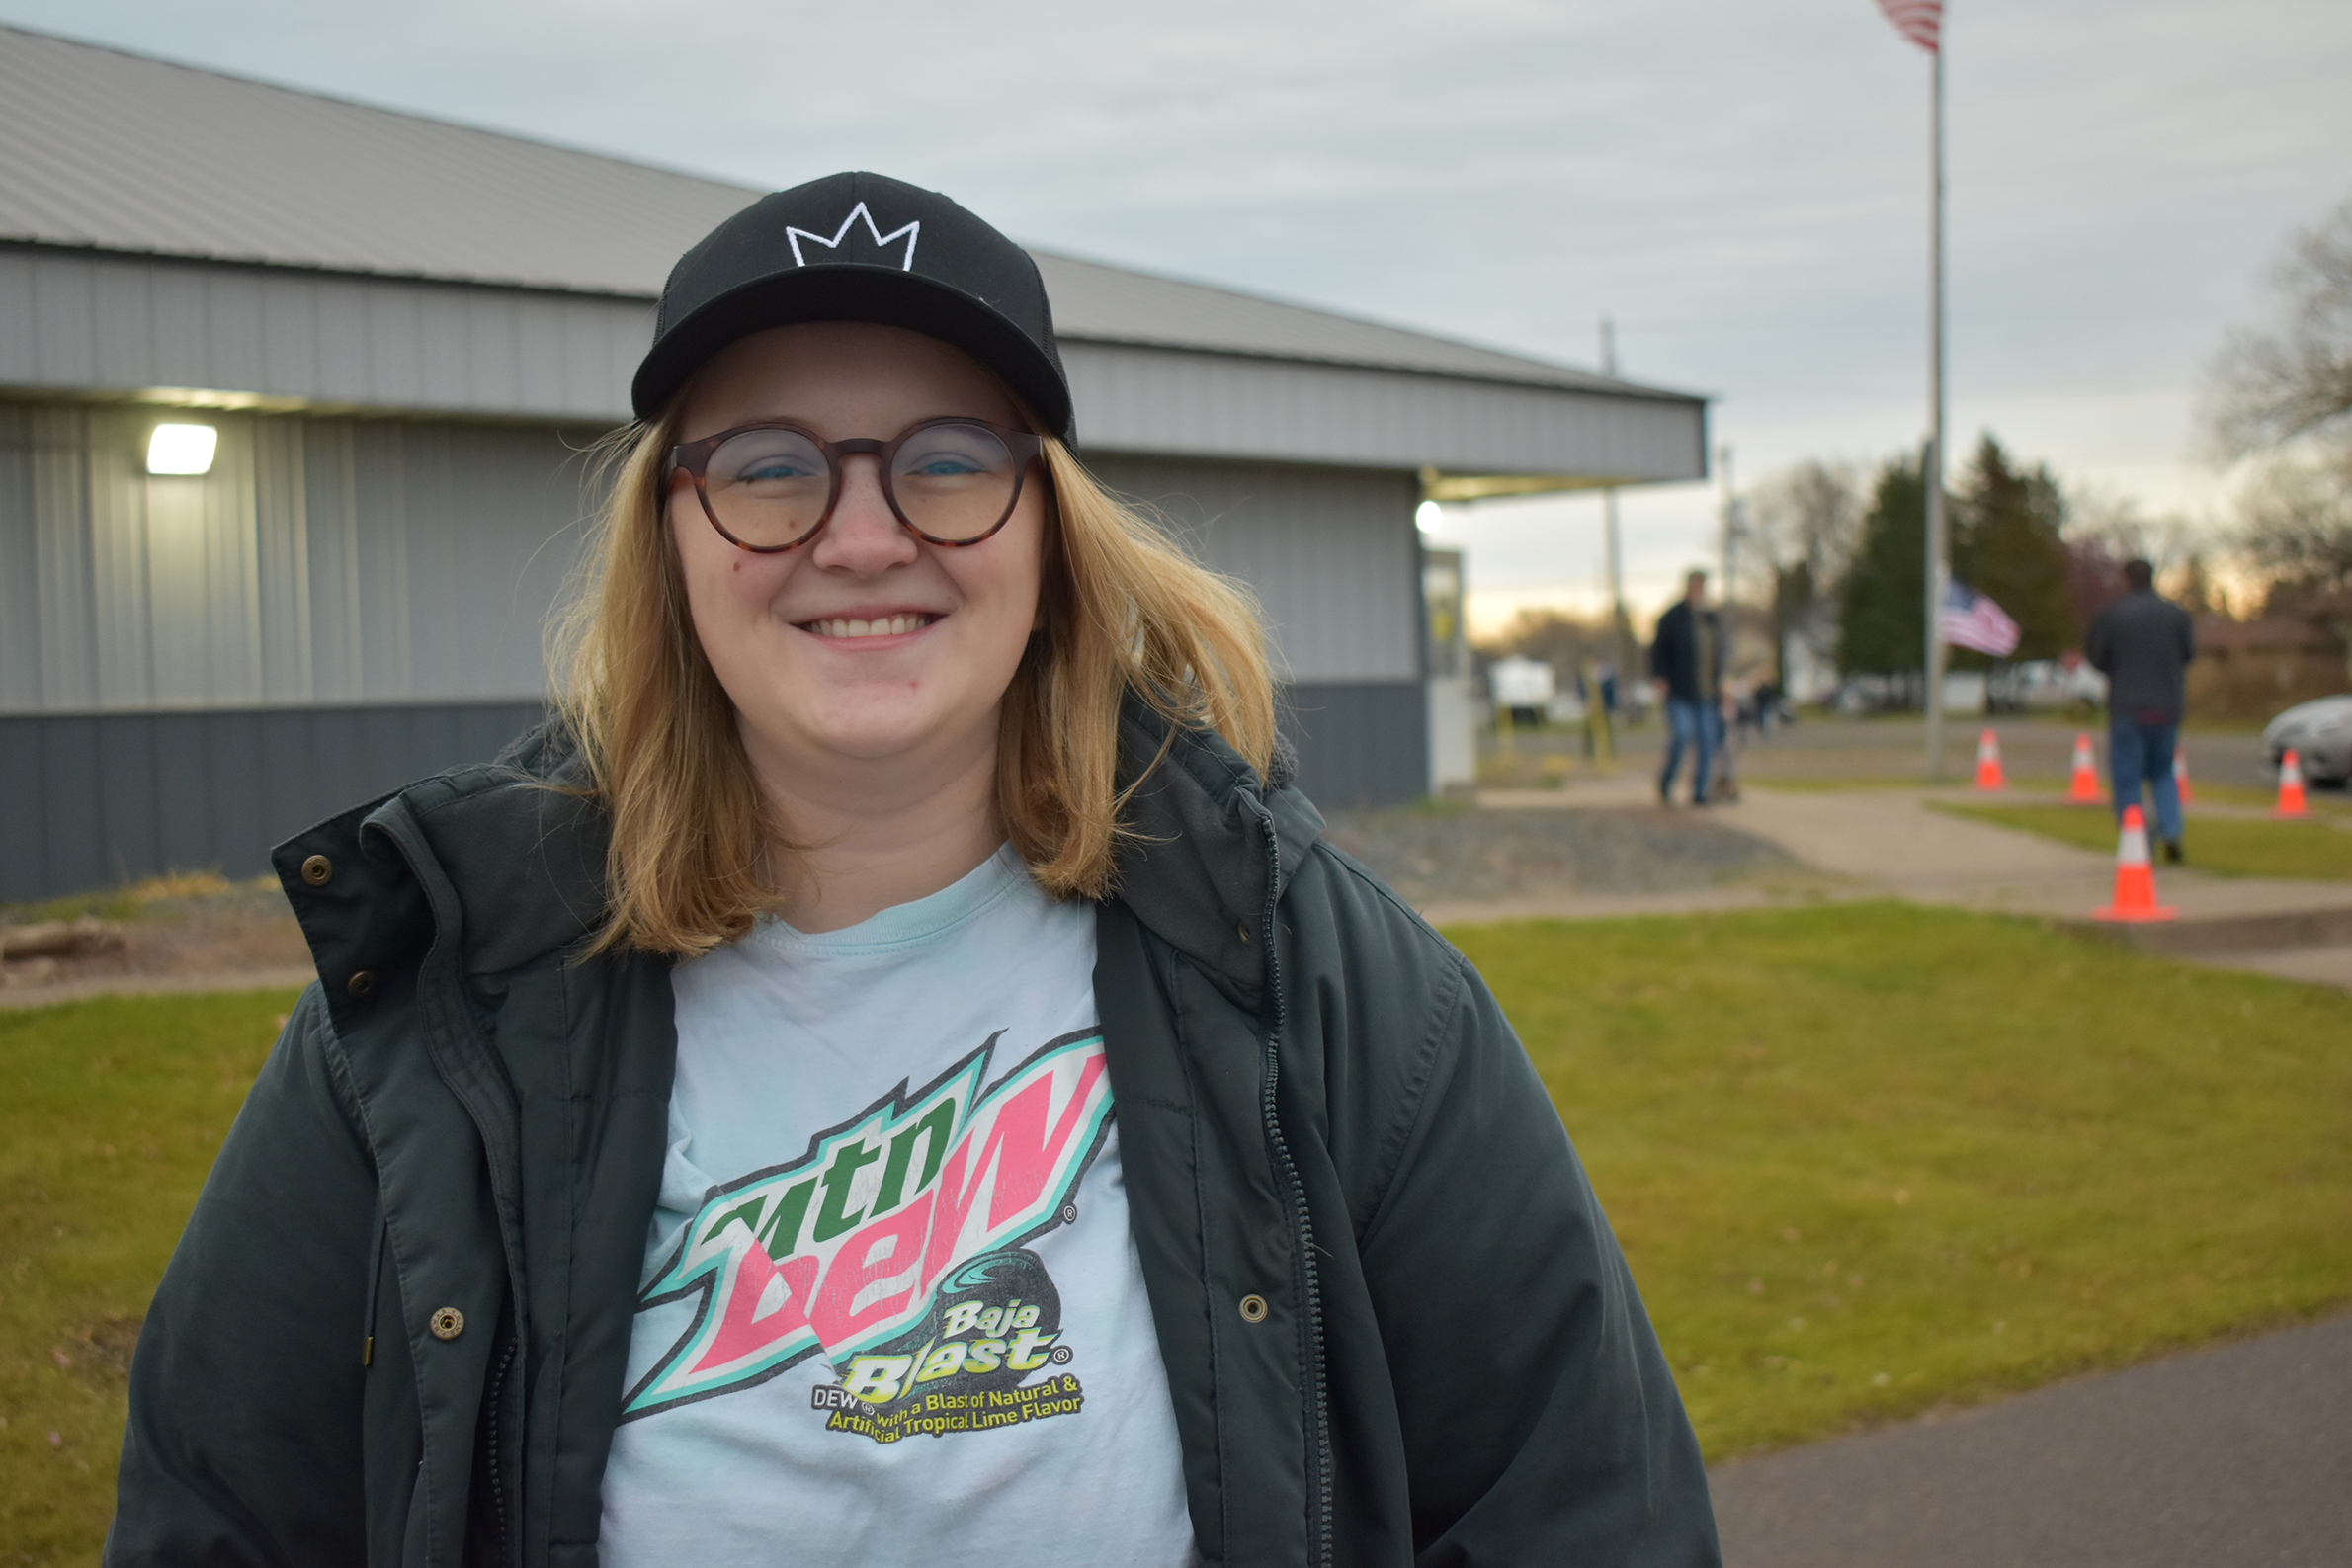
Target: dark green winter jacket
column 395, row 1329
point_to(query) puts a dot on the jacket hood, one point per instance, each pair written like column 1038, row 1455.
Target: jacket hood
column 504, row 861
column 1210, row 845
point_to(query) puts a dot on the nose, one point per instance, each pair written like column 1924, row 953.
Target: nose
column 863, row 537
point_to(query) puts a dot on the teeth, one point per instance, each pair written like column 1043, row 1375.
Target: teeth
column 883, row 627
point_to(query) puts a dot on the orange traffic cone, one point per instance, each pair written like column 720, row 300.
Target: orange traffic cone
column 2135, row 880
column 1988, row 763
column 2180, row 777
column 2290, row 786
column 2083, row 788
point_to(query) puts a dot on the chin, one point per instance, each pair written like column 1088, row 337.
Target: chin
column 872, row 730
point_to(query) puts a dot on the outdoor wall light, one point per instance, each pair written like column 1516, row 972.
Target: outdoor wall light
column 182, row 449
column 1427, row 516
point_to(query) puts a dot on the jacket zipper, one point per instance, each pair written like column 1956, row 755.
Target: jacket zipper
column 374, row 1283
column 1310, row 1292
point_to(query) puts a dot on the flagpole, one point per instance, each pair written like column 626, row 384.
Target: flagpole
column 1938, row 563
column 1618, row 660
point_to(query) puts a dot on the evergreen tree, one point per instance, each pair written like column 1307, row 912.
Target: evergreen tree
column 1880, row 630
column 2006, row 545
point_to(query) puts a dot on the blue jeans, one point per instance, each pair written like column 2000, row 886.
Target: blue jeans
column 2141, row 754
column 1699, row 725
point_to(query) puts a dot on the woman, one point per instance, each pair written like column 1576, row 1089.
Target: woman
column 717, row 1095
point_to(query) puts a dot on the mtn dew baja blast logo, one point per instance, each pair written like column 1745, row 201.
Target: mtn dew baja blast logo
column 895, row 1249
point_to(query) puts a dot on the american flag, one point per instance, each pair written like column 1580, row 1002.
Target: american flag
column 1972, row 620
column 1920, row 21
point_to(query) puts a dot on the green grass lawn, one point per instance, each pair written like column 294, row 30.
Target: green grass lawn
column 1866, row 1158
column 1869, row 1159
column 111, row 1111
column 2231, row 846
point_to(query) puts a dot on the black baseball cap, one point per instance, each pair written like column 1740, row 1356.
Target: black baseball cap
column 859, row 247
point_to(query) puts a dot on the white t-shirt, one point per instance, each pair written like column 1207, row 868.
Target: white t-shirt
column 892, row 1310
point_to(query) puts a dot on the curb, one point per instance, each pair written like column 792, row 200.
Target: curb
column 2213, row 935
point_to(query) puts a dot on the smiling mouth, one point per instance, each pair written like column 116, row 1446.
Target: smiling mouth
column 880, row 626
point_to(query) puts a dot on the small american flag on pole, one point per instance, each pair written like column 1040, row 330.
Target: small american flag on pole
column 1920, row 21
column 1972, row 620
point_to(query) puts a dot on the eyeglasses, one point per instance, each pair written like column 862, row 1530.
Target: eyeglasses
column 770, row 487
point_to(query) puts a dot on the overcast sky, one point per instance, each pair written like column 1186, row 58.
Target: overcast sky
column 1741, row 185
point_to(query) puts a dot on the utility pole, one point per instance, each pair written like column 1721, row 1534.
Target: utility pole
column 1730, row 521
column 1939, row 545
column 1616, row 546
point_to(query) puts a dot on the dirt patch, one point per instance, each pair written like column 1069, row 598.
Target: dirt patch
column 1431, row 856
column 183, row 927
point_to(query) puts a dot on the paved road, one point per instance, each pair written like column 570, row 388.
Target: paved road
column 2225, row 1458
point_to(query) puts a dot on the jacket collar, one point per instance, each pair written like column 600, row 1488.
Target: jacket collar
column 520, row 849
column 1210, row 842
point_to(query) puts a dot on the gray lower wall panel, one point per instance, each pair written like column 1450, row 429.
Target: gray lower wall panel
column 89, row 801
column 1360, row 743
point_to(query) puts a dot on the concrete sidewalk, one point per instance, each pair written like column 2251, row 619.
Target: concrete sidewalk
column 1889, row 843
column 2240, row 1455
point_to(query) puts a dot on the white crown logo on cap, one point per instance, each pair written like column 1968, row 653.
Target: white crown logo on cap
column 787, row 258
column 910, row 233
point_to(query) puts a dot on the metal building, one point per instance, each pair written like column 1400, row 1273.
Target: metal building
column 404, row 332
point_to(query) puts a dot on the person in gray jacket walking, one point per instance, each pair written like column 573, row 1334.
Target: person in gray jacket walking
column 893, row 1073
column 2142, row 643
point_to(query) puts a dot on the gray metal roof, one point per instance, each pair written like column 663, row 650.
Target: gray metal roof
column 1112, row 304
column 106, row 150
column 116, row 151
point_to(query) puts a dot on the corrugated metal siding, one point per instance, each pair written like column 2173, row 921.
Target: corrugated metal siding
column 86, row 322
column 1162, row 400
column 321, row 560
column 80, row 322
column 1332, row 555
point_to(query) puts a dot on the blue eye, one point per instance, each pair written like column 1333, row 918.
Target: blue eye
column 773, row 470
column 945, row 465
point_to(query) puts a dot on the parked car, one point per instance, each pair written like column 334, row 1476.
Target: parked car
column 2320, row 733
column 2034, row 684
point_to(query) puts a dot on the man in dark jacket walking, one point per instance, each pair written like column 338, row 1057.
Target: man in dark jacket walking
column 2142, row 643
column 1686, row 661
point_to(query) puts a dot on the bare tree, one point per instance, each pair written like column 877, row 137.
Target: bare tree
column 2269, row 389
column 2283, row 398
column 2167, row 542
column 1797, row 531
column 2297, row 533
column 1809, row 514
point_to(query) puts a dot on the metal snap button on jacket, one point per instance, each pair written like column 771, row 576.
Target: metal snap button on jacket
column 1253, row 1309
column 447, row 1323
column 361, row 983
column 317, row 870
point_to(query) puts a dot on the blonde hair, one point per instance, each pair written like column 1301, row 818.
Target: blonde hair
column 1123, row 612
